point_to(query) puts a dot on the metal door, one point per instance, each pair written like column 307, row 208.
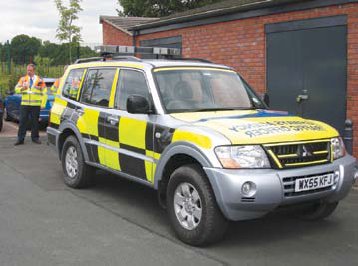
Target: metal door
column 306, row 69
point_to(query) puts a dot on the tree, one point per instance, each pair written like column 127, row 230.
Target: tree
column 48, row 49
column 159, row 8
column 66, row 30
column 24, row 48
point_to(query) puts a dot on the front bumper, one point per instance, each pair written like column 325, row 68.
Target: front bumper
column 273, row 187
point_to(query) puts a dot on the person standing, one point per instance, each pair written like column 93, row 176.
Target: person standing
column 56, row 84
column 31, row 87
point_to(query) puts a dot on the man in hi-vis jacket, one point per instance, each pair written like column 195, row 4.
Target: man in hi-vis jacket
column 32, row 90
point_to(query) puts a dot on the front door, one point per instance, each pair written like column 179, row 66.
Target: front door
column 135, row 131
column 306, row 68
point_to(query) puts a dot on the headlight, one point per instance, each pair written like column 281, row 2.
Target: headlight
column 338, row 149
column 252, row 156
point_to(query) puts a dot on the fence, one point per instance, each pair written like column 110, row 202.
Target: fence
column 10, row 74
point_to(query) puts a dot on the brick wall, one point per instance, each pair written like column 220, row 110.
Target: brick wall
column 114, row 36
column 241, row 44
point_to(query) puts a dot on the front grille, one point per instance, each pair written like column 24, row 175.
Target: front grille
column 289, row 185
column 299, row 154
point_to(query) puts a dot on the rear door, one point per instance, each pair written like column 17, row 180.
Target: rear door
column 93, row 112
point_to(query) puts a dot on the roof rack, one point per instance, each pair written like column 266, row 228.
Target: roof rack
column 119, row 52
column 107, row 57
column 192, row 59
column 90, row 59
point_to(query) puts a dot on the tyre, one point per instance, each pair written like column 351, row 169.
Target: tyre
column 6, row 115
column 317, row 211
column 1, row 123
column 192, row 208
column 77, row 174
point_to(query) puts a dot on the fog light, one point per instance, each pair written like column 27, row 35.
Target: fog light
column 248, row 189
column 336, row 179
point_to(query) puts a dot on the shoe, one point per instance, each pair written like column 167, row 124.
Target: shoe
column 19, row 142
column 36, row 141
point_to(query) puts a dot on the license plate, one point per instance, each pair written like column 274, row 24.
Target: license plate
column 314, row 182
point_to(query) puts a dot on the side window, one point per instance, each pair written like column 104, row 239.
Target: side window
column 72, row 84
column 97, row 87
column 130, row 82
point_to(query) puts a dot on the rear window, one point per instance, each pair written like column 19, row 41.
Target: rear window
column 97, row 87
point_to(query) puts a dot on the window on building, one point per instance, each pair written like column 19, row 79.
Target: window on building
column 167, row 42
column 97, row 87
column 72, row 84
column 130, row 82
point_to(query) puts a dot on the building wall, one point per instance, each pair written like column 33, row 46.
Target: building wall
column 241, row 44
column 114, row 36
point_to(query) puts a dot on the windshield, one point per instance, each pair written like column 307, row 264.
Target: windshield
column 198, row 89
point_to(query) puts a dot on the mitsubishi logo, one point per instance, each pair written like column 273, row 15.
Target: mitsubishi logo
column 304, row 151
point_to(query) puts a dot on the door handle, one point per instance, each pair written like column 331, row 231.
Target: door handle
column 301, row 98
column 113, row 120
column 80, row 111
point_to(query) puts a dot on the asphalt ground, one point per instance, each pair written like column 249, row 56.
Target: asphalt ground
column 118, row 222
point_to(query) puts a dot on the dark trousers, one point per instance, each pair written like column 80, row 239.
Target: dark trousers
column 29, row 113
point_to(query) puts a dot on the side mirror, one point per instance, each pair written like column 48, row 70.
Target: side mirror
column 137, row 104
column 265, row 98
column 9, row 92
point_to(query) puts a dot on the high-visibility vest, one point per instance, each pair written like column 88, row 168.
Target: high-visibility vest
column 73, row 92
column 33, row 96
column 54, row 88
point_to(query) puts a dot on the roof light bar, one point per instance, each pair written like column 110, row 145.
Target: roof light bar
column 119, row 49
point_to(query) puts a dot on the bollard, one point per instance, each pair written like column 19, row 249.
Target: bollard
column 348, row 136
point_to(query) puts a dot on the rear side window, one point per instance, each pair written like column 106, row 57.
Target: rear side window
column 97, row 87
column 130, row 82
column 72, row 84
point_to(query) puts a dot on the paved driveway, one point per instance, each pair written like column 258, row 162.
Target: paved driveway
column 117, row 222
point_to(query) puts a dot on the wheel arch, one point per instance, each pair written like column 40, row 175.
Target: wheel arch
column 172, row 158
column 68, row 129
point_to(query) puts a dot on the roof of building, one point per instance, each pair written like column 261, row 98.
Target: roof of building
column 124, row 23
column 217, row 9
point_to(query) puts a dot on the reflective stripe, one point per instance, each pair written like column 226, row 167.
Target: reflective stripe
column 31, row 101
column 35, row 93
column 121, row 150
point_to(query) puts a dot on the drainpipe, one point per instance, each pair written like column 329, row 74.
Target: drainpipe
column 348, row 136
column 134, row 35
